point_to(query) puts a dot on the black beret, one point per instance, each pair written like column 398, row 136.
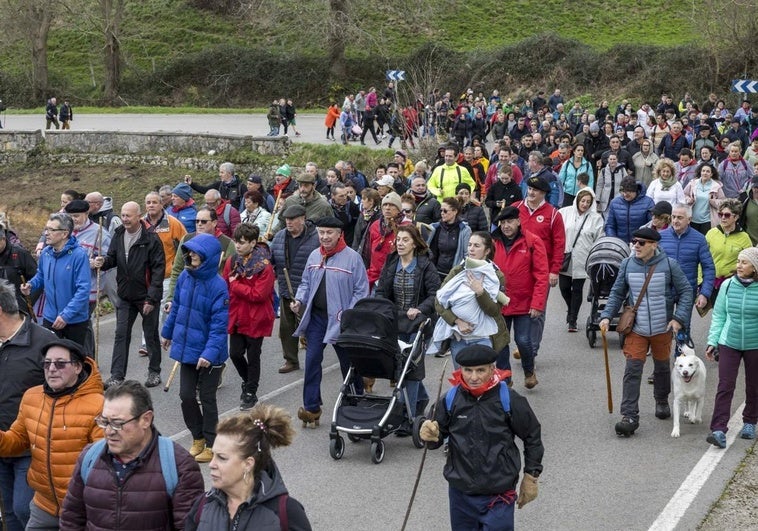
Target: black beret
column 462, row 186
column 646, row 233
column 509, row 212
column 329, row 222
column 475, row 355
column 77, row 206
column 538, row 183
column 76, row 350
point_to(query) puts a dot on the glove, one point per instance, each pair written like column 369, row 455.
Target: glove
column 430, row 431
column 528, row 490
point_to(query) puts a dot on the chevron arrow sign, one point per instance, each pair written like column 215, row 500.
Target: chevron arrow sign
column 744, row 85
column 395, row 75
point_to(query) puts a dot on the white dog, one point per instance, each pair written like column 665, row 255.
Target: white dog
column 688, row 379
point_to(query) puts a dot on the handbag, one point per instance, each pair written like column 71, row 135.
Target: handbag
column 566, row 264
column 629, row 315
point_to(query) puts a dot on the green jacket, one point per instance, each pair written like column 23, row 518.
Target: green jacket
column 734, row 316
column 725, row 248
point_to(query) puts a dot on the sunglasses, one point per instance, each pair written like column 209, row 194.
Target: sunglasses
column 59, row 364
column 445, row 210
column 407, row 211
column 725, row 215
column 641, row 243
column 202, row 221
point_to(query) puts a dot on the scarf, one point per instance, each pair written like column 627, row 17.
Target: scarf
column 386, row 229
column 368, row 214
column 418, row 196
column 337, row 248
column 668, row 183
column 500, row 375
column 253, row 263
column 281, row 186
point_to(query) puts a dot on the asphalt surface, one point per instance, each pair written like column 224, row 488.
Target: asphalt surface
column 592, row 479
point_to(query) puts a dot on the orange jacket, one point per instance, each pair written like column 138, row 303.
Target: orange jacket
column 56, row 430
column 332, row 115
column 170, row 231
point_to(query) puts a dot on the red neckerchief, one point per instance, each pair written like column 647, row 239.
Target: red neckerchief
column 500, row 376
column 281, row 186
column 337, row 248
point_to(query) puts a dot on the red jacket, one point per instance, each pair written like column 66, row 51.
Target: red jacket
column 547, row 224
column 526, row 272
column 380, row 248
column 251, row 302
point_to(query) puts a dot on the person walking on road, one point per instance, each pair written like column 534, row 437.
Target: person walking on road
column 656, row 320
column 480, row 418
column 195, row 331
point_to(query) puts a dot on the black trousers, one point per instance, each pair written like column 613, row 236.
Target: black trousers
column 571, row 291
column 245, row 352
column 76, row 332
column 200, row 419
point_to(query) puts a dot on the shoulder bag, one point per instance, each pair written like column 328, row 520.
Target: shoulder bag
column 628, row 316
column 566, row 265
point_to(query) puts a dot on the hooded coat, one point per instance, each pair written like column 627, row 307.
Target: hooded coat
column 591, row 230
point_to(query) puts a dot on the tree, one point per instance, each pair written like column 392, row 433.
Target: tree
column 33, row 19
column 112, row 16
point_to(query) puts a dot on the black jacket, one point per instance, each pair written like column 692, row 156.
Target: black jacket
column 428, row 209
column 482, row 454
column 475, row 217
column 141, row 278
column 21, row 367
column 294, row 264
column 510, row 193
column 16, row 261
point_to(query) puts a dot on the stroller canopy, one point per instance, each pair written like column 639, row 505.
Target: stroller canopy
column 607, row 250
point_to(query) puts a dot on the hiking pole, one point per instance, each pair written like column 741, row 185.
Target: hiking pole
column 423, row 455
column 607, row 372
column 28, row 302
column 171, row 376
column 97, row 290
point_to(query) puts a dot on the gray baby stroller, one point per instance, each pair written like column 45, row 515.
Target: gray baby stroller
column 603, row 263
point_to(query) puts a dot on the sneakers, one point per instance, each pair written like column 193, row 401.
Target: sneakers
column 198, row 445
column 205, row 456
column 748, row 431
column 112, row 381
column 626, row 427
column 718, row 438
column 572, row 327
column 153, row 379
column 651, row 379
column 530, row 382
column 248, row 401
column 662, row 410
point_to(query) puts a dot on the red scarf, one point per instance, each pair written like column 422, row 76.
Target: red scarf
column 281, row 186
column 500, row 376
column 337, row 248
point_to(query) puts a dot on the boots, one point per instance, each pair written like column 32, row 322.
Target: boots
column 662, row 410
column 627, row 427
column 309, row 417
column 248, row 398
column 530, row 382
column 198, row 445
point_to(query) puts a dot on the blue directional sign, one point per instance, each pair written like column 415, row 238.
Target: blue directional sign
column 745, row 85
column 395, row 75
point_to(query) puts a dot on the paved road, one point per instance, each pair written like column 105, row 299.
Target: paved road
column 592, row 479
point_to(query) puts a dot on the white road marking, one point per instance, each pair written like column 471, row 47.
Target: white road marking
column 683, row 498
column 264, row 398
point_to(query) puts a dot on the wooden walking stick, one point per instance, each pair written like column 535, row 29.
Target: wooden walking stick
column 607, row 372
column 171, row 376
column 28, row 302
column 289, row 289
column 423, row 456
column 97, row 289
column 273, row 214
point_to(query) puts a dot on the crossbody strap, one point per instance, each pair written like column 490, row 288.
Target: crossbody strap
column 580, row 231
column 644, row 287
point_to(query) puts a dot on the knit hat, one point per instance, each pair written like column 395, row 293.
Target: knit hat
column 183, row 190
column 661, row 208
column 393, row 199
column 284, row 170
column 594, row 127
column 401, row 153
column 463, row 186
column 751, row 255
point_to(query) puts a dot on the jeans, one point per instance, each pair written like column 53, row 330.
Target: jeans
column 456, row 345
column 200, row 422
column 486, row 512
column 522, row 326
column 729, row 368
column 249, row 369
column 314, row 356
column 571, row 291
column 15, row 491
column 126, row 314
column 537, row 328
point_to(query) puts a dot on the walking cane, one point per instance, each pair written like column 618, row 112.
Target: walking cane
column 289, row 289
column 276, row 207
column 28, row 302
column 171, row 376
column 423, row 456
column 97, row 290
column 607, row 372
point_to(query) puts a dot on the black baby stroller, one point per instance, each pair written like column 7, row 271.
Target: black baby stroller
column 603, row 263
column 368, row 333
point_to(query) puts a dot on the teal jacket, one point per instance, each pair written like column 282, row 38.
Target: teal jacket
column 734, row 316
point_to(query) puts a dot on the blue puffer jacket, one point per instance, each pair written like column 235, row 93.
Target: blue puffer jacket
column 690, row 250
column 65, row 277
column 657, row 306
column 625, row 217
column 200, row 310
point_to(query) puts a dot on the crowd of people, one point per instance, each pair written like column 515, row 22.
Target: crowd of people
column 473, row 240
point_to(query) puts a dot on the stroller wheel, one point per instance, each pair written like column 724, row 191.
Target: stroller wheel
column 337, row 447
column 377, row 452
column 354, row 438
column 592, row 338
column 415, row 432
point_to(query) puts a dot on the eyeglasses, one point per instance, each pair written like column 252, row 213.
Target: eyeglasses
column 445, row 210
column 725, row 215
column 407, row 210
column 115, row 425
column 59, row 364
column 202, row 221
column 641, row 243
column 49, row 229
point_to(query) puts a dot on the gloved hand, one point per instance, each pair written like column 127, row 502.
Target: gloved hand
column 430, row 431
column 528, row 490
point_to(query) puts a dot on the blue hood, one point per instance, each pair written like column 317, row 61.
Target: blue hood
column 209, row 249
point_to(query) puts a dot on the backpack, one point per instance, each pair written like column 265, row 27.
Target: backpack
column 165, row 453
column 505, row 398
column 228, row 215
